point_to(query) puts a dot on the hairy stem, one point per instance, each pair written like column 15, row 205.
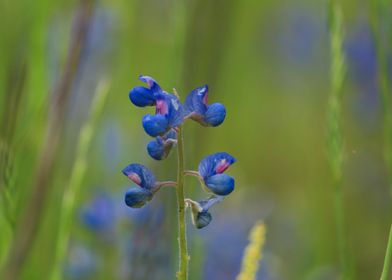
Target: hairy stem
column 388, row 256
column 182, row 273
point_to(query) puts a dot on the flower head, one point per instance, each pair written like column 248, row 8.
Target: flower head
column 145, row 179
column 169, row 114
column 160, row 147
column 145, row 96
column 197, row 108
column 211, row 169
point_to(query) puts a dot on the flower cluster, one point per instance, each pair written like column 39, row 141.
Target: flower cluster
column 164, row 125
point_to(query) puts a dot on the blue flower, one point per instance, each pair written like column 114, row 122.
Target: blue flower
column 142, row 96
column 99, row 214
column 160, row 147
column 169, row 114
column 211, row 169
column 197, row 108
column 200, row 215
column 145, row 179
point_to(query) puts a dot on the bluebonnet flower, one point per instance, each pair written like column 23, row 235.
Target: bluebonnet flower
column 200, row 215
column 142, row 96
column 169, row 114
column 160, row 147
column 197, row 108
column 99, row 214
column 143, row 177
column 211, row 169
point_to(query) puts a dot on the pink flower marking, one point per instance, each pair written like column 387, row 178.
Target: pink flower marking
column 135, row 178
column 222, row 166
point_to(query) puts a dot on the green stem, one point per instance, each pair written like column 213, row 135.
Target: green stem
column 388, row 255
column 339, row 220
column 182, row 273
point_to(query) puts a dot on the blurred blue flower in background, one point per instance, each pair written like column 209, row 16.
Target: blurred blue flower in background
column 81, row 264
column 197, row 108
column 211, row 169
column 100, row 213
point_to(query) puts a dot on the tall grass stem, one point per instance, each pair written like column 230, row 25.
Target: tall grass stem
column 76, row 179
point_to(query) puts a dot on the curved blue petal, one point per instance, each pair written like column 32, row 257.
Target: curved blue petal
column 156, row 149
column 215, row 164
column 141, row 97
column 196, row 101
column 215, row 114
column 169, row 106
column 209, row 202
column 155, row 125
column 140, row 175
column 220, row 184
column 151, row 83
column 137, row 197
column 202, row 219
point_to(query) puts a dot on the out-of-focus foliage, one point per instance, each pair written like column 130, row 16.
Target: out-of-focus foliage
column 269, row 63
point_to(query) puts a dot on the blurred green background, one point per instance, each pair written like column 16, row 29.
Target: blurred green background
column 268, row 62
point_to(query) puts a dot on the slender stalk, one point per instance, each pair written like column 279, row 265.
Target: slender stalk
column 182, row 273
column 335, row 143
column 76, row 179
column 388, row 256
column 379, row 20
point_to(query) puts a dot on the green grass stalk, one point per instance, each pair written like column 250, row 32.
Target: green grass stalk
column 76, row 179
column 182, row 273
column 379, row 20
column 388, row 256
column 335, row 146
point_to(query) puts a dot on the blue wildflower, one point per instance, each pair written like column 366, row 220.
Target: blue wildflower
column 169, row 114
column 211, row 169
column 160, row 147
column 200, row 215
column 197, row 108
column 145, row 179
column 99, row 214
column 142, row 96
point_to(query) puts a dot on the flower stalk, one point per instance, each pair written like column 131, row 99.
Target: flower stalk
column 182, row 273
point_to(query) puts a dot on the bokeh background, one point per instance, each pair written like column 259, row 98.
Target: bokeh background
column 267, row 61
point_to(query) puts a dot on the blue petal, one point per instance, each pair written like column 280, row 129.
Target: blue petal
column 171, row 108
column 151, row 83
column 137, row 197
column 196, row 101
column 141, row 97
column 215, row 164
column 155, row 125
column 215, row 114
column 140, row 175
column 202, row 219
column 209, row 202
column 156, row 149
column 220, row 184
